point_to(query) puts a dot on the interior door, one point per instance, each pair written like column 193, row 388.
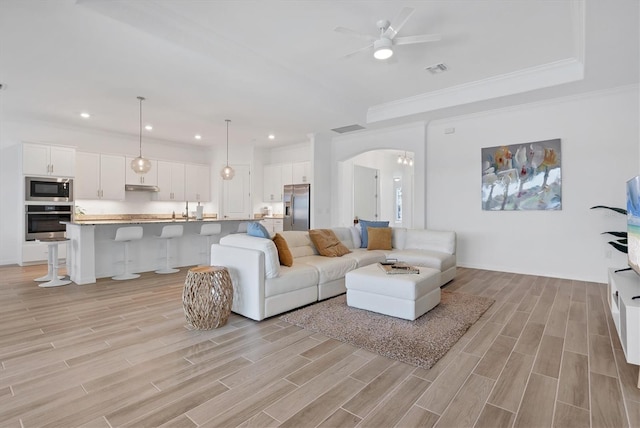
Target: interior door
column 237, row 194
column 365, row 192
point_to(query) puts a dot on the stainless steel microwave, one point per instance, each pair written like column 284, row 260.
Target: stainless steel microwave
column 48, row 189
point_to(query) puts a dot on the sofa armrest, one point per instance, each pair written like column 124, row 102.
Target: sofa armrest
column 246, row 268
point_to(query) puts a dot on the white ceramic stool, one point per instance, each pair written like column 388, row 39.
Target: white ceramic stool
column 126, row 235
column 207, row 230
column 52, row 277
column 168, row 233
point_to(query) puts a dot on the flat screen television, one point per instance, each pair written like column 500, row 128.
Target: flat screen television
column 633, row 223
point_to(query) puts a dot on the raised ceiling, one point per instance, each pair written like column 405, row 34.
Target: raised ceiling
column 278, row 66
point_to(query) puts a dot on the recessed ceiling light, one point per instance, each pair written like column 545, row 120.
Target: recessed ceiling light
column 85, row 115
column 272, row 137
column 148, row 127
column 198, row 137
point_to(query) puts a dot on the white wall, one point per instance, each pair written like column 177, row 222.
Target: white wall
column 600, row 152
column 410, row 137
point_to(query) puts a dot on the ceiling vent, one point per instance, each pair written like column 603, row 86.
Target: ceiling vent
column 348, row 128
column 437, row 68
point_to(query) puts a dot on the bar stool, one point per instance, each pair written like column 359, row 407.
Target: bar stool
column 126, row 235
column 168, row 233
column 52, row 277
column 207, row 230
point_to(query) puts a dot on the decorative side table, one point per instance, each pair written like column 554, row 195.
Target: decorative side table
column 207, row 297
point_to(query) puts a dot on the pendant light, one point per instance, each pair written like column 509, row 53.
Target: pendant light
column 405, row 160
column 227, row 172
column 141, row 165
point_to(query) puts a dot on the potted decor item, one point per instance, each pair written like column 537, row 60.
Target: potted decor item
column 620, row 244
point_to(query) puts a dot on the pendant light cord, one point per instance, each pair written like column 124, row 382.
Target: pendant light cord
column 227, row 120
column 141, row 99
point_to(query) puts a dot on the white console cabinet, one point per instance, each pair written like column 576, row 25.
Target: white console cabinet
column 625, row 311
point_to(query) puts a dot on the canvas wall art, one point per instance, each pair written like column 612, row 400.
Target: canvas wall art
column 522, row 177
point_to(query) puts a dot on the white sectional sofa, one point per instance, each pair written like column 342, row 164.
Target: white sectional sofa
column 263, row 288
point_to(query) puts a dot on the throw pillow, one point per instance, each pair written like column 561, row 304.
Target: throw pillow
column 364, row 224
column 285, row 256
column 379, row 238
column 256, row 229
column 327, row 243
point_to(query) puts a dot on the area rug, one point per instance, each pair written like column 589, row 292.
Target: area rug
column 420, row 343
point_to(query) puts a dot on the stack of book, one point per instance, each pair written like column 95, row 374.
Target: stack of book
column 393, row 268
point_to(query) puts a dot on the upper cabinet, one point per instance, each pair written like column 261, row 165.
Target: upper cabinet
column 197, row 183
column 301, row 172
column 99, row 176
column 279, row 174
column 148, row 179
column 42, row 159
column 171, row 181
column 272, row 183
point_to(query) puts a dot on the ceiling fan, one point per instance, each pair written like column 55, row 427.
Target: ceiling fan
column 383, row 44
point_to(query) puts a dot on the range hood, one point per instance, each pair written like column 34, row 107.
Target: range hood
column 141, row 188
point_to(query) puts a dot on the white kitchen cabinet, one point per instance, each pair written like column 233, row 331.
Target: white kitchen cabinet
column 272, row 183
column 42, row 159
column 197, row 183
column 286, row 174
column 273, row 225
column 170, row 181
column 301, row 172
column 148, row 179
column 99, row 176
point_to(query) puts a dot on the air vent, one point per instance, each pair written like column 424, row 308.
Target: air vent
column 437, row 68
column 348, row 128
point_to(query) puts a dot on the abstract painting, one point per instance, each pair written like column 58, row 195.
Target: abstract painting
column 522, row 177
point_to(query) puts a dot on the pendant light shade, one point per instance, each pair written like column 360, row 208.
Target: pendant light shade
column 141, row 165
column 227, row 172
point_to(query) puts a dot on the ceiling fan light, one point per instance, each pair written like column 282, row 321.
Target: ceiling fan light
column 382, row 48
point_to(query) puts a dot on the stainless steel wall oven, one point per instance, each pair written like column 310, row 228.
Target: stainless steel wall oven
column 43, row 221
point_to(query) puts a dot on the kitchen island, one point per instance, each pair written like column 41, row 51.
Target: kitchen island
column 92, row 252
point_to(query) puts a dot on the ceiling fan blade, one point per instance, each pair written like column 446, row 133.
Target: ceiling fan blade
column 350, row 54
column 408, row 40
column 353, row 33
column 398, row 22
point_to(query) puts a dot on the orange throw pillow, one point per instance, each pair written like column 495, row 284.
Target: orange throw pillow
column 284, row 254
column 327, row 243
column 379, row 238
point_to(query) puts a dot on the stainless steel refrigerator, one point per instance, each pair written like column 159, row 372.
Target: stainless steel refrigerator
column 297, row 207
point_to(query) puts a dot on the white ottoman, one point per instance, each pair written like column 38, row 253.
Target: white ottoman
column 405, row 296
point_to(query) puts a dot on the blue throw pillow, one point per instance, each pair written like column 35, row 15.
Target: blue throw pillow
column 363, row 230
column 256, row 229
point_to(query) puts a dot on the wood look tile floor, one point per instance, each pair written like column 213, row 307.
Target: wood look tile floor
column 119, row 353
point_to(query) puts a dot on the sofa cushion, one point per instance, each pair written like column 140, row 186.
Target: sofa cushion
column 327, row 243
column 344, row 235
column 379, row 238
column 242, row 240
column 355, row 236
column 292, row 278
column 329, row 268
column 421, row 239
column 364, row 224
column 366, row 257
column 284, row 255
column 433, row 259
column 256, row 229
column 299, row 243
